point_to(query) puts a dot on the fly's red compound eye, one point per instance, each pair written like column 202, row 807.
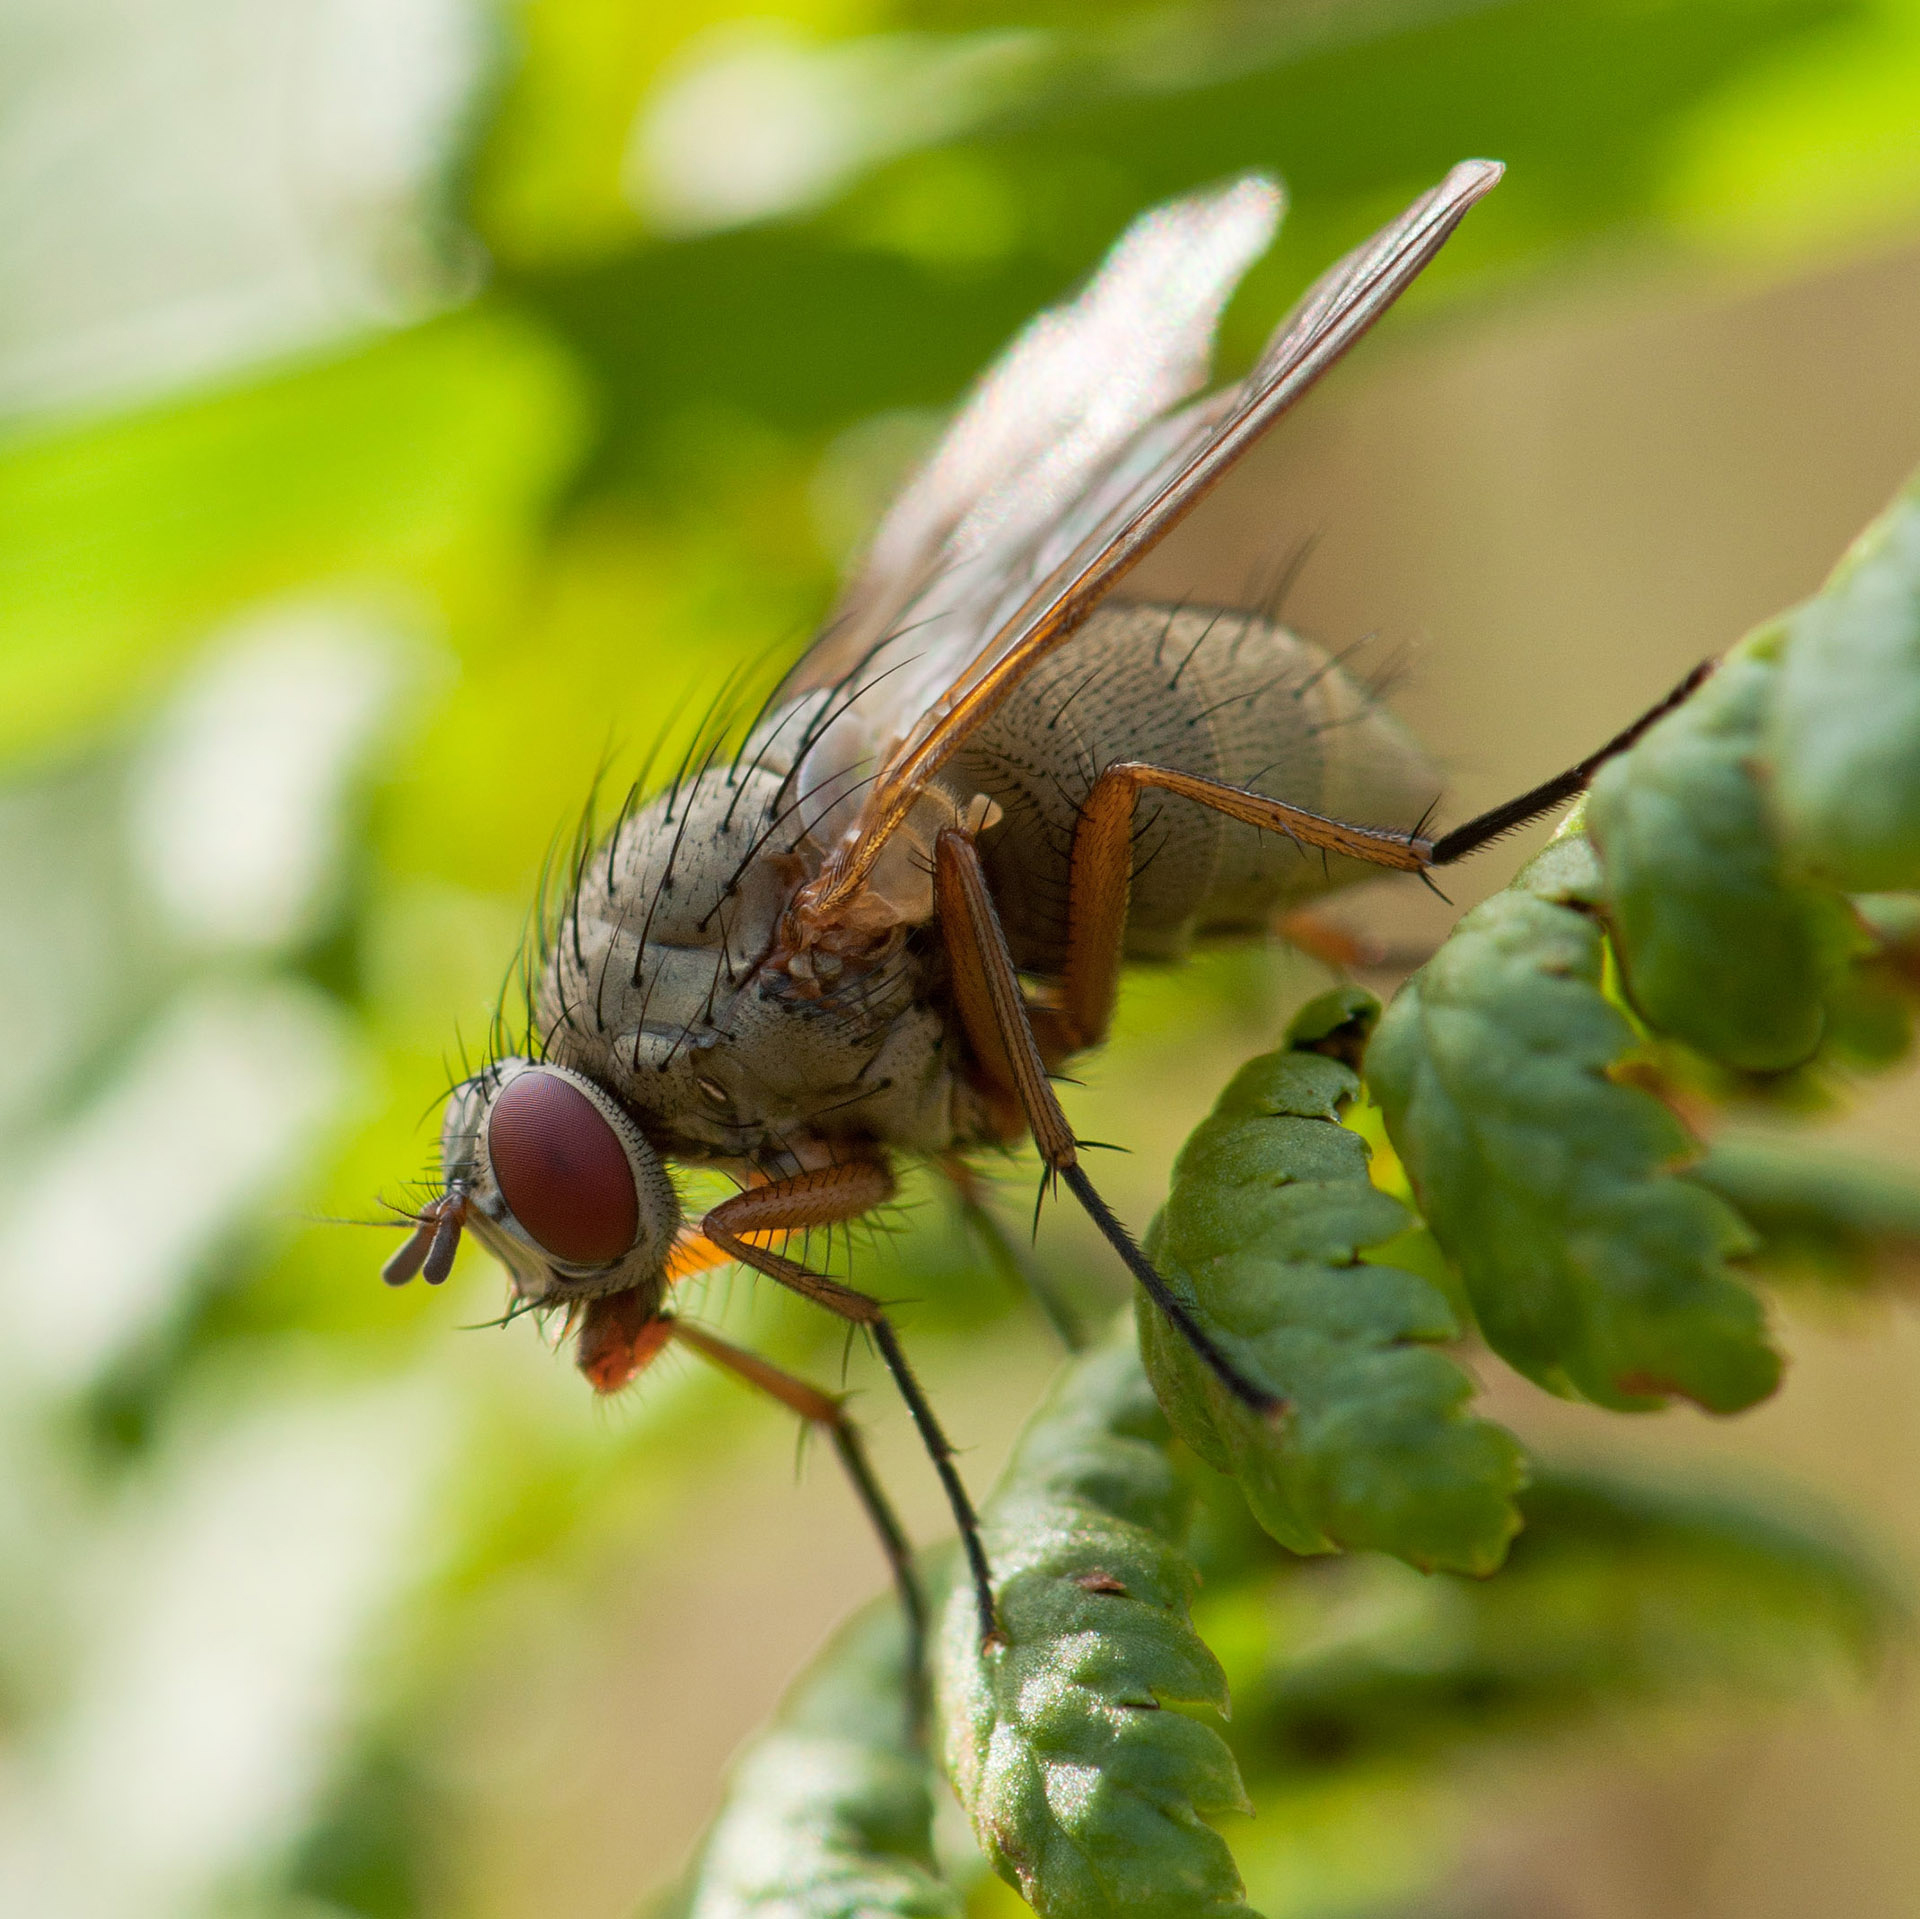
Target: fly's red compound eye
column 562, row 1170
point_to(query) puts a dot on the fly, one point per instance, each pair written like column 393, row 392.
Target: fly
column 883, row 926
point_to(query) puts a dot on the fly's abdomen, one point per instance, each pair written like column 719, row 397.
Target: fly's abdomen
column 1227, row 695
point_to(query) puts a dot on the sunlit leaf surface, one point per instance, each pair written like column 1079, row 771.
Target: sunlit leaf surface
column 1590, row 1266
column 830, row 1813
column 1269, row 1212
column 1720, row 944
column 1085, row 1789
column 1848, row 712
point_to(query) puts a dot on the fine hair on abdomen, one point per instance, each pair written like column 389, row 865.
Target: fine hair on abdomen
column 1232, row 696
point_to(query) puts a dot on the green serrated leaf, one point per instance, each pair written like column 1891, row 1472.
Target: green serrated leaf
column 1269, row 1210
column 1719, row 944
column 1084, row 1791
column 1847, row 717
column 1590, row 1268
column 829, row 1814
column 1822, row 1213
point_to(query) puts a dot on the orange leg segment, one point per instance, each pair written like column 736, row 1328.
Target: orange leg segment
column 822, row 1198
column 1102, row 872
column 977, row 945
column 993, row 1011
column 822, row 1409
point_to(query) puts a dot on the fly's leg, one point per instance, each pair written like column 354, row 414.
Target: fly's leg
column 1528, row 806
column 1101, row 870
column 829, row 1414
column 1007, row 1254
column 987, row 995
column 1338, row 948
column 739, row 1227
column 987, row 989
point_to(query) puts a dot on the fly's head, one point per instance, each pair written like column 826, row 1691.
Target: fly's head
column 548, row 1172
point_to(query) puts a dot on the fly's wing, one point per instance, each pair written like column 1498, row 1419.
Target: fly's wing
column 1065, row 399
column 1127, row 501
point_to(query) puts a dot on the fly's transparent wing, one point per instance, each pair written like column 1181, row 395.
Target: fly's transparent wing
column 1064, row 399
column 1126, row 503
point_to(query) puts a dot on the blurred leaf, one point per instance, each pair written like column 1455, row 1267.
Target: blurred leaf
column 1845, row 722
column 1818, row 1212
column 1616, row 1593
column 900, row 292
column 1870, row 1009
column 1590, row 1267
column 830, row 1811
column 1719, row 945
column 1808, row 153
column 1269, row 1209
column 418, row 460
column 366, row 1851
column 1084, row 1791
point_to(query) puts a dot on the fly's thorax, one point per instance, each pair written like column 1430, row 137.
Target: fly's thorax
column 657, row 983
column 558, row 1183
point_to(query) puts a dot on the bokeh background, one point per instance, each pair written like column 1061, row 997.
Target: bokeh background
column 414, row 407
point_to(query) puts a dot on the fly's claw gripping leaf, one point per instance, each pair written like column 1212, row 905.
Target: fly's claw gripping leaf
column 1083, row 1793
column 1845, row 731
column 1719, row 944
column 1591, row 1268
column 1267, row 1215
column 830, row 1813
